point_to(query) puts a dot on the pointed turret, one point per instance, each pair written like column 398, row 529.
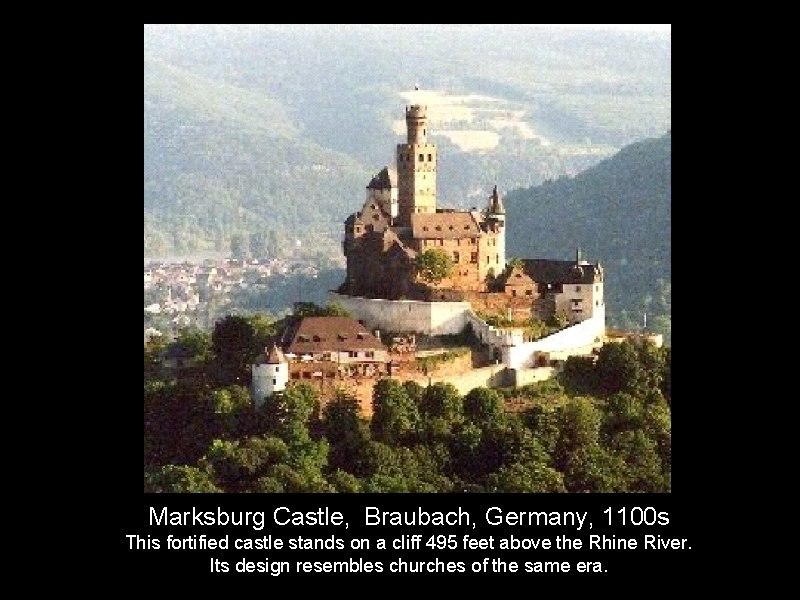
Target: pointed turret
column 496, row 204
column 275, row 356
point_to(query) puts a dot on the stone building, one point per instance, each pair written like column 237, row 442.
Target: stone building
column 383, row 239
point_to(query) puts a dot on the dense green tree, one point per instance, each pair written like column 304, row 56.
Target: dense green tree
column 484, row 406
column 177, row 407
column 442, row 400
column 517, row 477
column 237, row 464
column 289, row 412
column 580, row 375
column 619, row 369
column 622, row 412
column 296, row 481
column 433, row 265
column 235, row 349
column 195, row 343
column 395, row 416
column 579, row 428
column 230, row 400
column 657, row 424
column 346, row 433
column 592, row 468
column 642, row 465
column 545, row 425
column 345, row 482
column 178, row 478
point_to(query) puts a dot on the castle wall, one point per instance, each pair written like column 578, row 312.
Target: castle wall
column 581, row 338
column 525, row 376
column 431, row 318
column 491, row 377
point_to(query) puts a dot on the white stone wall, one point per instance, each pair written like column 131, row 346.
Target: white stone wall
column 431, row 318
column 525, row 376
column 577, row 339
column 268, row 379
column 492, row 377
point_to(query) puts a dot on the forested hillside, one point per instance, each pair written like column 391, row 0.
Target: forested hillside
column 618, row 212
column 601, row 427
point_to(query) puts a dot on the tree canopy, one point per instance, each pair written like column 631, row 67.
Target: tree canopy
column 433, row 265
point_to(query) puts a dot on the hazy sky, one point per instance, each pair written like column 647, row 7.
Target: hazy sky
column 624, row 27
column 663, row 28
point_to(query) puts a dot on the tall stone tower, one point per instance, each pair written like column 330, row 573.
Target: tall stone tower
column 416, row 168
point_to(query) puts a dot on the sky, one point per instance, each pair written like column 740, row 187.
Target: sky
column 664, row 28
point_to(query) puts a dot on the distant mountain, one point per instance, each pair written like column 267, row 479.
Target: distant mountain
column 617, row 212
column 252, row 129
column 220, row 159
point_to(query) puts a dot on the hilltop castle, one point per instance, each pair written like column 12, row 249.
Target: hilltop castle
column 400, row 220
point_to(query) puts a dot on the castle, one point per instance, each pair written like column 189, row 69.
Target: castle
column 384, row 291
column 400, row 220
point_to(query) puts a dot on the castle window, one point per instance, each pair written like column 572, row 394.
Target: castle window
column 274, row 381
column 358, row 229
column 528, row 292
column 372, row 206
column 425, row 228
column 317, row 338
column 597, row 288
column 430, row 157
column 597, row 302
column 513, row 292
column 577, row 288
column 497, row 259
column 353, row 354
column 474, row 258
column 375, row 217
column 487, row 260
column 455, row 257
column 450, row 228
column 421, row 158
column 438, row 228
column 466, row 227
column 424, row 132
